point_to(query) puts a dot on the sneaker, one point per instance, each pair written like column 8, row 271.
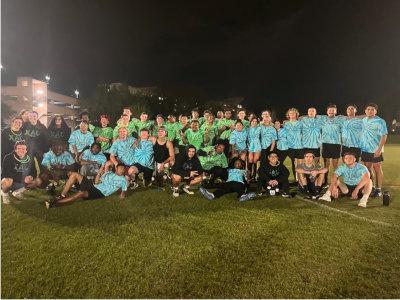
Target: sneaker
column 325, row 197
column 50, row 203
column 60, row 197
column 376, row 193
column 147, row 183
column 175, row 192
column 134, row 185
column 187, row 190
column 19, row 193
column 363, row 202
column 285, row 195
column 246, row 197
column 259, row 194
column 206, row 194
column 6, row 197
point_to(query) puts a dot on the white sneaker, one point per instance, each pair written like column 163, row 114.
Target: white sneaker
column 363, row 202
column 134, row 185
column 187, row 190
column 19, row 193
column 325, row 197
column 5, row 197
column 175, row 193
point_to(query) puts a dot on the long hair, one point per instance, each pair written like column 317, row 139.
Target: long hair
column 64, row 124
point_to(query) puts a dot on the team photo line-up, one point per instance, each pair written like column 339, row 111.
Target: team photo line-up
column 217, row 152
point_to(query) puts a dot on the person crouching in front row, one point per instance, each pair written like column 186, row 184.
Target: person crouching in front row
column 273, row 174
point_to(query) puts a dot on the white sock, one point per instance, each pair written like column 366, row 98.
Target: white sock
column 328, row 193
column 364, row 198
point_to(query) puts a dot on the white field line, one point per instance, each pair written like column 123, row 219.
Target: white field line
column 349, row 214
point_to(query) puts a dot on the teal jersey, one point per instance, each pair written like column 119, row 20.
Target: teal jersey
column 254, row 139
column 110, row 183
column 268, row 135
column 80, row 140
column 351, row 176
column 293, row 131
column 239, row 139
column 238, row 175
column 373, row 129
column 123, row 150
column 51, row 159
column 311, row 132
column 282, row 143
column 331, row 129
column 144, row 155
column 351, row 132
column 100, row 158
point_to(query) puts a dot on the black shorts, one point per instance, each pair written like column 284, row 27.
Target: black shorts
column 315, row 151
column 370, row 158
column 296, row 153
column 87, row 186
column 351, row 189
column 356, row 151
column 331, row 150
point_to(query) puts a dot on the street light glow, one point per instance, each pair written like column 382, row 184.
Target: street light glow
column 47, row 77
column 76, row 94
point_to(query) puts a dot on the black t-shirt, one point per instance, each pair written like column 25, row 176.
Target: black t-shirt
column 59, row 134
column 8, row 140
column 36, row 137
column 270, row 172
column 184, row 165
column 16, row 168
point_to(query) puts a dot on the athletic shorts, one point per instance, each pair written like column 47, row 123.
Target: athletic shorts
column 369, row 157
column 331, row 150
column 315, row 151
column 351, row 189
column 87, row 186
column 296, row 153
column 356, row 151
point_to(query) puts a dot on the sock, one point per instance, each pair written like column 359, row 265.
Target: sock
column 328, row 193
column 364, row 198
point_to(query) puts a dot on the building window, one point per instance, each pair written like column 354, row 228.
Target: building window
column 24, row 82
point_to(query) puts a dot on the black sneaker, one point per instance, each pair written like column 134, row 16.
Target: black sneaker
column 285, row 195
column 60, row 197
column 51, row 203
column 376, row 193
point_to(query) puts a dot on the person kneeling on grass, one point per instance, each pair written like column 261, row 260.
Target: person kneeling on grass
column 214, row 162
column 187, row 168
column 18, row 173
column 105, row 184
column 273, row 174
column 356, row 181
column 237, row 180
column 311, row 176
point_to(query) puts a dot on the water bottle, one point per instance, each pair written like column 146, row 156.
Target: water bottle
column 386, row 198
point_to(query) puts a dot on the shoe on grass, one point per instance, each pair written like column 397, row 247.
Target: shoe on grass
column 363, row 202
column 206, row 194
column 175, row 192
column 19, row 194
column 246, row 197
column 285, row 195
column 134, row 185
column 325, row 197
column 51, row 203
column 5, row 197
column 187, row 190
column 376, row 193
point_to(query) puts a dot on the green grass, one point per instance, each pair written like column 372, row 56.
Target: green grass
column 151, row 245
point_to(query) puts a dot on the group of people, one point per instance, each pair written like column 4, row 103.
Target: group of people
column 220, row 152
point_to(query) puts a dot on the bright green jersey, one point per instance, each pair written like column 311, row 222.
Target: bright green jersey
column 105, row 132
column 179, row 127
column 225, row 135
column 246, row 124
column 195, row 138
column 140, row 125
column 212, row 133
column 172, row 130
column 154, row 131
column 213, row 159
column 130, row 127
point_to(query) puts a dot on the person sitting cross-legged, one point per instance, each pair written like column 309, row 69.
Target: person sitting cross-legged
column 273, row 174
column 105, row 184
column 311, row 176
column 56, row 164
column 356, row 181
column 91, row 160
column 18, row 173
column 187, row 169
column 237, row 181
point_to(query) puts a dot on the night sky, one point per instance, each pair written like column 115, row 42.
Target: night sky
column 273, row 53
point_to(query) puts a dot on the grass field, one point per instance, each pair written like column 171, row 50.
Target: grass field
column 152, row 245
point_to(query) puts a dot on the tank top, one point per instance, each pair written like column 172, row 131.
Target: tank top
column 161, row 152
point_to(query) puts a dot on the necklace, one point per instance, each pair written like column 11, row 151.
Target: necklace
column 26, row 159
